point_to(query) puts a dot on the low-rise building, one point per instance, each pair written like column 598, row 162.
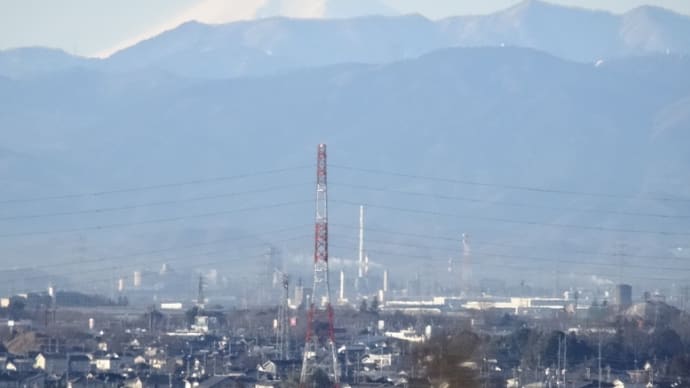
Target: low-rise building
column 24, row 380
column 79, row 363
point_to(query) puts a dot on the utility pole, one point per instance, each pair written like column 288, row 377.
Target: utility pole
column 558, row 365
column 565, row 359
column 599, row 359
column 53, row 303
column 685, row 294
column 466, row 274
column 320, row 306
column 361, row 271
column 151, row 310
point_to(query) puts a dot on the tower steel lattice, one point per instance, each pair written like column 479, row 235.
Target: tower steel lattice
column 319, row 346
column 282, row 322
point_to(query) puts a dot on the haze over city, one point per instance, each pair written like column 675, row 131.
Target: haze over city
column 345, row 193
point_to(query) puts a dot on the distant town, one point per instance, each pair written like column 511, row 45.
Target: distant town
column 385, row 335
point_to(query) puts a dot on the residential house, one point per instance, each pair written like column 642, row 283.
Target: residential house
column 51, row 363
column 380, row 359
column 24, row 380
column 19, row 364
column 107, row 362
column 79, row 363
column 134, row 382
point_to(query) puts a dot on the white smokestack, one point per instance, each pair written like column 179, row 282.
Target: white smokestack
column 465, row 244
column 361, row 241
column 136, row 279
column 366, row 265
column 342, row 285
column 385, row 280
column 467, row 259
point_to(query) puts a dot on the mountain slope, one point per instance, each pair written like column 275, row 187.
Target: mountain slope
column 37, row 61
column 498, row 115
column 572, row 33
column 275, row 45
column 653, row 29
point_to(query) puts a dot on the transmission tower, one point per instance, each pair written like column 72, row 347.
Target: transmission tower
column 319, row 347
column 282, row 322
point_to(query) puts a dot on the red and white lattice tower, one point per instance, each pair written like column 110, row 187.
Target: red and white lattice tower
column 319, row 347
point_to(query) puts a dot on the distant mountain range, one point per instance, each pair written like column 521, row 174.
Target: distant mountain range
column 275, row 45
column 593, row 103
column 502, row 115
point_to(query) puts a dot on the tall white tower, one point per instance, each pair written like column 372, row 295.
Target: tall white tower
column 385, row 280
column 136, row 279
column 341, row 295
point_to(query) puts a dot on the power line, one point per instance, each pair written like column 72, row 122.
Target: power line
column 154, row 187
column 149, row 204
column 153, row 221
column 504, row 265
column 519, row 222
column 162, row 250
column 165, row 260
column 511, row 204
column 510, row 187
column 504, row 245
column 131, row 266
column 522, row 257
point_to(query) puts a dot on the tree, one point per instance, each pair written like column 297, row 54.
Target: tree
column 666, row 343
column 154, row 318
column 374, row 306
column 190, row 315
column 363, row 306
column 523, row 346
column 443, row 355
column 319, row 379
column 16, row 309
column 578, row 350
column 680, row 366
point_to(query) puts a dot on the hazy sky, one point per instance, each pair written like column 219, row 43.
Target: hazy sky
column 97, row 27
